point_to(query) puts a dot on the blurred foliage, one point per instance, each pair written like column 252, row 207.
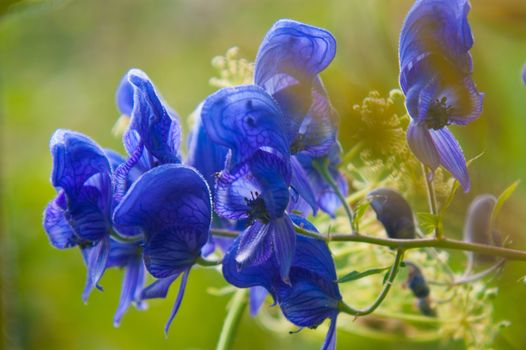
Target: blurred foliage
column 61, row 62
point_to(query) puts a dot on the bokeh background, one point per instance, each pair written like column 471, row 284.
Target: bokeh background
column 60, row 64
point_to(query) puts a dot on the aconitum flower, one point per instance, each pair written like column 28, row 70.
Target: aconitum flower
column 154, row 134
column 257, row 190
column 80, row 214
column 393, row 211
column 312, row 294
column 478, row 226
column 435, row 75
column 171, row 205
column 287, row 109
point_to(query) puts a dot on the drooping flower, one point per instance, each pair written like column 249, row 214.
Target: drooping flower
column 287, row 109
column 478, row 226
column 154, row 133
column 393, row 211
column 80, row 214
column 310, row 297
column 171, row 205
column 418, row 285
column 257, row 190
column 435, row 75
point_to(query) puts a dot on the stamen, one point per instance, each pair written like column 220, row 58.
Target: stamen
column 438, row 114
column 257, row 209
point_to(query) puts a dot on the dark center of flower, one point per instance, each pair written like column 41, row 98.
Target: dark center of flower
column 298, row 144
column 438, row 114
column 257, row 208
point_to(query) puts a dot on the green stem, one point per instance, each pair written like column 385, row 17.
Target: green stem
column 444, row 243
column 385, row 290
column 235, row 312
column 432, row 200
column 126, row 239
column 203, row 262
column 323, row 169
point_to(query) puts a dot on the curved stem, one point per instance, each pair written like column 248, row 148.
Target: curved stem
column 480, row 275
column 431, row 199
column 323, row 169
column 126, row 239
column 385, row 290
column 444, row 243
column 235, row 311
column 203, row 262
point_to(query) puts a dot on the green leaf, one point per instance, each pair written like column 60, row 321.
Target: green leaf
column 359, row 212
column 428, row 222
column 503, row 197
column 355, row 275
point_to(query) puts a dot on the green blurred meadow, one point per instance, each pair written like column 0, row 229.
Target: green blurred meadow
column 60, row 63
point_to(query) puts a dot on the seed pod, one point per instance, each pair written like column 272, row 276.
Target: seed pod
column 393, row 211
column 477, row 228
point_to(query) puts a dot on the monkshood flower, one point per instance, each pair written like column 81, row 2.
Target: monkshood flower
column 326, row 198
column 417, row 283
column 154, row 133
column 312, row 294
column 393, row 211
column 171, row 205
column 80, row 214
column 287, row 109
column 478, row 226
column 435, row 75
column 257, row 190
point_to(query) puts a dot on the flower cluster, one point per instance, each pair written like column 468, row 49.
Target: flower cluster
column 263, row 163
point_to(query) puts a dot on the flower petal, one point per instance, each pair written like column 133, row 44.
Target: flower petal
column 155, row 122
column 58, row 229
column 131, row 286
column 393, row 211
column 301, row 184
column 451, row 155
column 265, row 175
column 244, row 119
column 256, row 299
column 159, row 288
column 255, row 245
column 291, row 55
column 421, row 143
column 171, row 204
column 95, row 258
column 178, row 301
column 284, row 244
column 330, row 338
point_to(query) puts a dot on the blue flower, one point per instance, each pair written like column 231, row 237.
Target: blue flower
column 287, row 109
column 154, row 134
column 257, row 190
column 310, row 297
column 326, row 198
column 80, row 213
column 171, row 205
column 435, row 75
column 393, row 211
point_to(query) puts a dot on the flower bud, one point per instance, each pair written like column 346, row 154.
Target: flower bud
column 393, row 211
column 477, row 228
column 416, row 281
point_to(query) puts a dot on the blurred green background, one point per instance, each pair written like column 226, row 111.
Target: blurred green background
column 60, row 64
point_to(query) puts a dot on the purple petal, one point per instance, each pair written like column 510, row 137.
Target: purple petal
column 257, row 298
column 96, row 257
column 451, row 155
column 330, row 339
column 421, row 143
column 159, row 288
column 124, row 96
column 524, row 74
column 255, row 245
column 284, row 244
column 155, row 122
column 131, row 286
column 244, row 119
column 59, row 231
column 178, row 301
column 301, row 184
